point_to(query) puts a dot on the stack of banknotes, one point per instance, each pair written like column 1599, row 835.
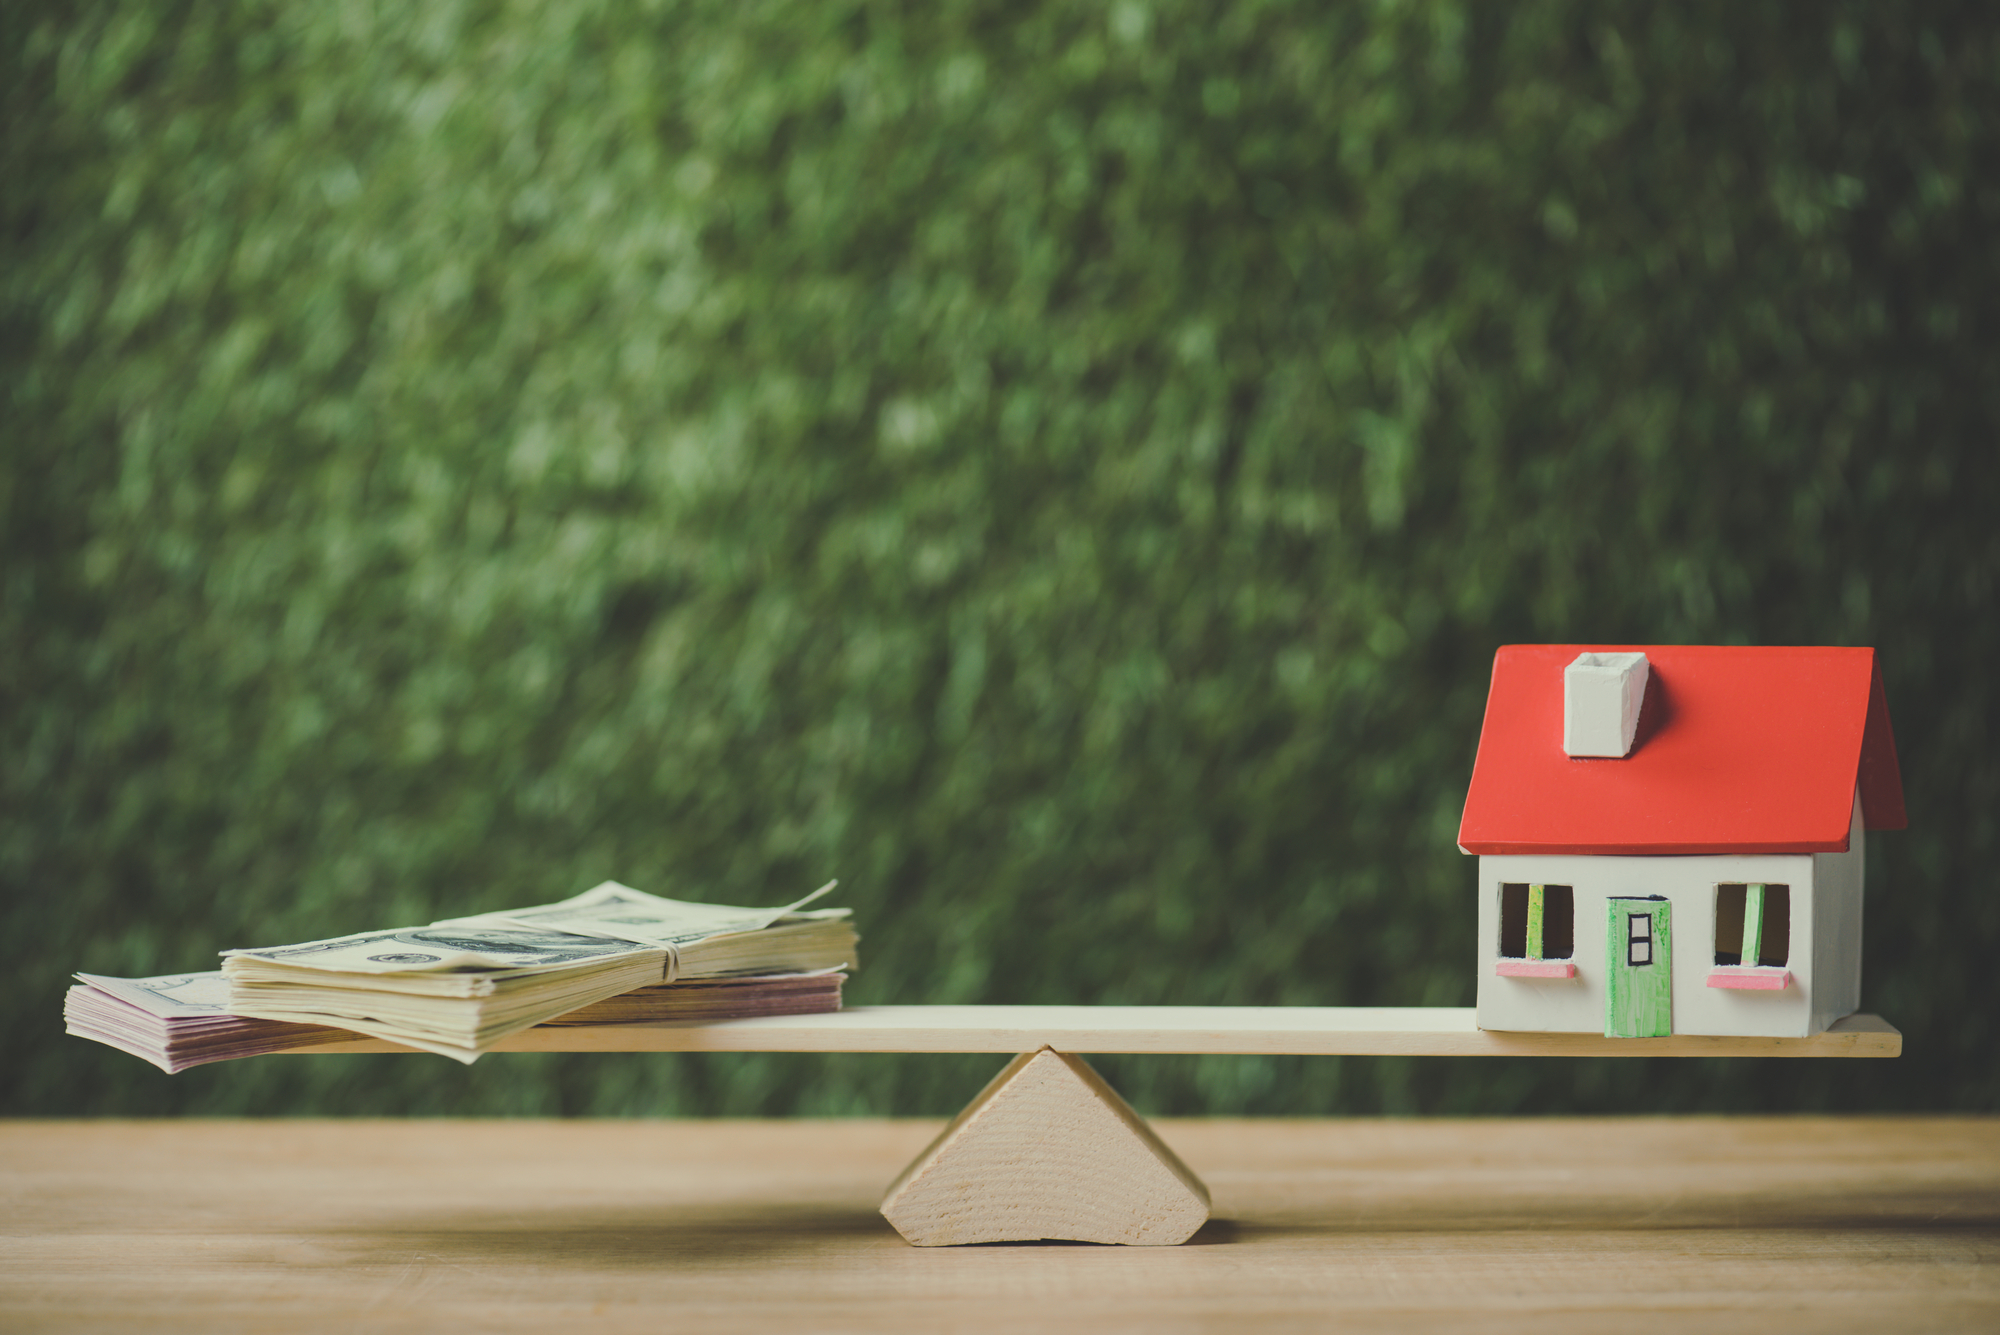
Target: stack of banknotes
column 612, row 955
column 179, row 1020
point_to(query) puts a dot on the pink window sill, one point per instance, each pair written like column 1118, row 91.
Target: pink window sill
column 1534, row 969
column 1750, row 978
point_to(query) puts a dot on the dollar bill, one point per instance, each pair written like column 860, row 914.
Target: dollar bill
column 172, row 996
column 701, row 940
column 492, row 948
column 622, row 913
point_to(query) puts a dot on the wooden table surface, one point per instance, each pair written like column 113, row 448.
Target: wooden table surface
column 1535, row 1225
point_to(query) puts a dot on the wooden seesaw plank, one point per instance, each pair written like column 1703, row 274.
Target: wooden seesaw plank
column 1312, row 1031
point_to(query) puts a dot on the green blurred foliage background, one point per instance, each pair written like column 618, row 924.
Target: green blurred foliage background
column 1062, row 468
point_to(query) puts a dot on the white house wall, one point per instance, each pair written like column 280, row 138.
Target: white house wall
column 1837, row 942
column 1576, row 1005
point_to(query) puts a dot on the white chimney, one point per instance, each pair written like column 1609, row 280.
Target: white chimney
column 1601, row 698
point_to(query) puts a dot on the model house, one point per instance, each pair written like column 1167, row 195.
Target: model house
column 1670, row 837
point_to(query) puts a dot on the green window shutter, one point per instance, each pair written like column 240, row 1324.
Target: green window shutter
column 1753, row 922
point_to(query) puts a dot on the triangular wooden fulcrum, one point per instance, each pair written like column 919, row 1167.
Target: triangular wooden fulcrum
column 1047, row 1151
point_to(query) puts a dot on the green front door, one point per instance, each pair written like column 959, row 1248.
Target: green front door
column 1640, row 967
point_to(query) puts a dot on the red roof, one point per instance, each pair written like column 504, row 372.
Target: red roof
column 1739, row 750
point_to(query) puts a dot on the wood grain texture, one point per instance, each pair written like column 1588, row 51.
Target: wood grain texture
column 1549, row 1226
column 1047, row 1151
column 1311, row 1031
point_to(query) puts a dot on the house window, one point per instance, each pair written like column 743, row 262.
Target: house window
column 1753, row 925
column 1537, row 922
column 1639, row 940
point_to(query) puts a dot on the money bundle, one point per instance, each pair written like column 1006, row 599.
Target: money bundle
column 701, row 940
column 458, row 986
column 705, row 1000
column 452, row 991
column 179, row 1020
